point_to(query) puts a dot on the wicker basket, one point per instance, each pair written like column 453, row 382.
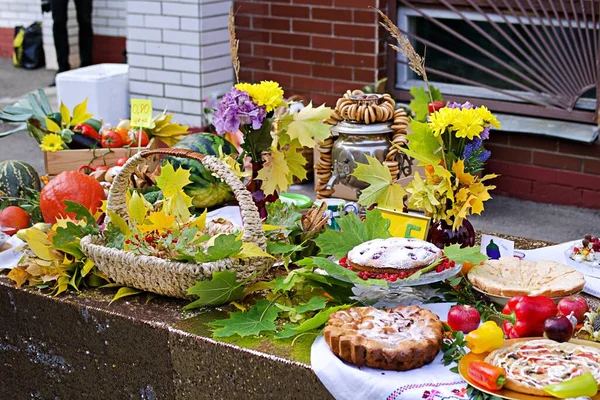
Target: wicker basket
column 165, row 277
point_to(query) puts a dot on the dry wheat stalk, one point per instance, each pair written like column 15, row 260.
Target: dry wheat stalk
column 234, row 45
column 415, row 61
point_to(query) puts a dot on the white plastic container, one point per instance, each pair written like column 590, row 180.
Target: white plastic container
column 106, row 87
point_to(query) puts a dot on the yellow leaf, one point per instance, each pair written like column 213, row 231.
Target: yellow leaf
column 463, row 177
column 308, row 125
column 65, row 115
column 87, row 267
column 172, row 181
column 80, row 114
column 296, row 163
column 382, row 190
column 124, row 292
column 52, row 126
column 158, row 221
column 239, row 306
column 200, row 222
column 178, row 206
column 19, row 275
column 252, row 250
column 38, row 243
column 137, row 208
column 275, row 173
column 267, row 227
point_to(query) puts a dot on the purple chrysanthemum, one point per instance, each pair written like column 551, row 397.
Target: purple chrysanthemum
column 485, row 134
column 454, row 104
column 235, row 110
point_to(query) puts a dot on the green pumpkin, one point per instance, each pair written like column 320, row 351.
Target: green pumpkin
column 15, row 176
column 205, row 190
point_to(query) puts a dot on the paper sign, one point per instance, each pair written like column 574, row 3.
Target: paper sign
column 495, row 247
column 407, row 225
column 141, row 113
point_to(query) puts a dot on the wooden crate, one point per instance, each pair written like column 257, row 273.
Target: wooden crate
column 71, row 160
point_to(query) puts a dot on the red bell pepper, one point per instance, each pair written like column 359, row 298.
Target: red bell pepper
column 87, row 130
column 524, row 316
column 487, row 375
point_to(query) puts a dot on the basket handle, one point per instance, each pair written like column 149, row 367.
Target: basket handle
column 252, row 223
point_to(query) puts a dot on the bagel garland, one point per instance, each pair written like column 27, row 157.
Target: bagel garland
column 362, row 108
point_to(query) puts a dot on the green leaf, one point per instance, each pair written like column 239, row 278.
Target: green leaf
column 283, row 248
column 340, row 272
column 382, row 189
column 35, row 105
column 419, row 104
column 69, row 234
column 124, row 292
column 87, row 267
column 114, row 237
column 436, row 93
column 317, row 321
column 472, row 255
column 422, row 144
column 81, row 213
column 315, row 303
column 44, row 103
column 225, row 246
column 260, row 318
column 353, row 232
column 221, row 289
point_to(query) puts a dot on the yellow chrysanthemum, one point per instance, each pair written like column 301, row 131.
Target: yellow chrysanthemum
column 267, row 93
column 467, row 124
column 487, row 116
column 442, row 119
column 51, row 143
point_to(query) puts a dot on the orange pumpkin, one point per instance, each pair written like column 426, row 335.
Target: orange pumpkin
column 71, row 186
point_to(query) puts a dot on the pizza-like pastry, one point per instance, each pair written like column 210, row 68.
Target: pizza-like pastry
column 510, row 277
column 531, row 365
column 401, row 339
column 393, row 255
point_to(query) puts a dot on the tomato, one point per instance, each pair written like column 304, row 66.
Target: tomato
column 121, row 161
column 111, row 139
column 12, row 219
column 124, row 133
column 134, row 134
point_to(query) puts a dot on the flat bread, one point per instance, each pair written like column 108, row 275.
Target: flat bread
column 531, row 365
column 510, row 277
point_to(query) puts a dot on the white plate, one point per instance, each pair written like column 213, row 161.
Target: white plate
column 585, row 267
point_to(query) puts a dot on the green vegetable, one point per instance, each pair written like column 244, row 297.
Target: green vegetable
column 94, row 123
column 584, row 385
column 206, row 190
column 16, row 177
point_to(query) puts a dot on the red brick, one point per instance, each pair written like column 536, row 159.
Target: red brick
column 321, row 85
column 355, row 60
column 246, row 75
column 340, row 87
column 555, row 160
column 245, row 48
column 531, row 172
column 356, row 3
column 328, row 99
column 331, row 43
column 315, row 2
column 364, row 17
column 323, row 28
column 513, row 186
column 107, row 49
column 498, row 167
column 580, row 149
column 272, row 24
column 245, row 7
column 498, row 137
column 291, row 67
column 591, row 166
column 556, row 194
column 364, row 75
column 333, row 72
column 590, row 199
column 579, row 180
column 364, row 46
column 313, row 55
column 533, row 142
column 255, row 62
column 272, row 51
column 509, row 154
column 251, row 35
column 331, row 14
column 353, row 30
column 243, row 21
column 278, row 10
column 282, row 79
column 290, row 39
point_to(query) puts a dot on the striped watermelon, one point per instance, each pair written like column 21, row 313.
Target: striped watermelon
column 205, row 190
column 15, row 176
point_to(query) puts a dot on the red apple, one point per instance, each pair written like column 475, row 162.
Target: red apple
column 463, row 318
column 575, row 304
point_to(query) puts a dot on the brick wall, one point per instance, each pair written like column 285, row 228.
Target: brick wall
column 546, row 169
column 314, row 48
column 178, row 52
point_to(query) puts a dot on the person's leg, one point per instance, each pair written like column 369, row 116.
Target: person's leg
column 86, row 34
column 61, row 36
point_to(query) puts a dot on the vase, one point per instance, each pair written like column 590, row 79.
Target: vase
column 254, row 186
column 441, row 234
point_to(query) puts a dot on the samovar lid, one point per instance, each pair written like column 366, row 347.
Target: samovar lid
column 353, row 128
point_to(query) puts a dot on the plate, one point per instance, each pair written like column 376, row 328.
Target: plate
column 585, row 267
column 299, row 200
column 503, row 300
column 505, row 393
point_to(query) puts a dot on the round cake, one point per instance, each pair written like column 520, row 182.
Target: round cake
column 393, row 255
column 401, row 339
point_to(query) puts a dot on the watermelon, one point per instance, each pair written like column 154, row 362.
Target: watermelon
column 15, row 177
column 206, row 190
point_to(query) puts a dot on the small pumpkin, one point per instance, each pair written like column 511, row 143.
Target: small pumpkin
column 15, row 176
column 72, row 186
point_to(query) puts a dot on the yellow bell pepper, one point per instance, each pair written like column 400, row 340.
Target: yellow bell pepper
column 489, row 336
